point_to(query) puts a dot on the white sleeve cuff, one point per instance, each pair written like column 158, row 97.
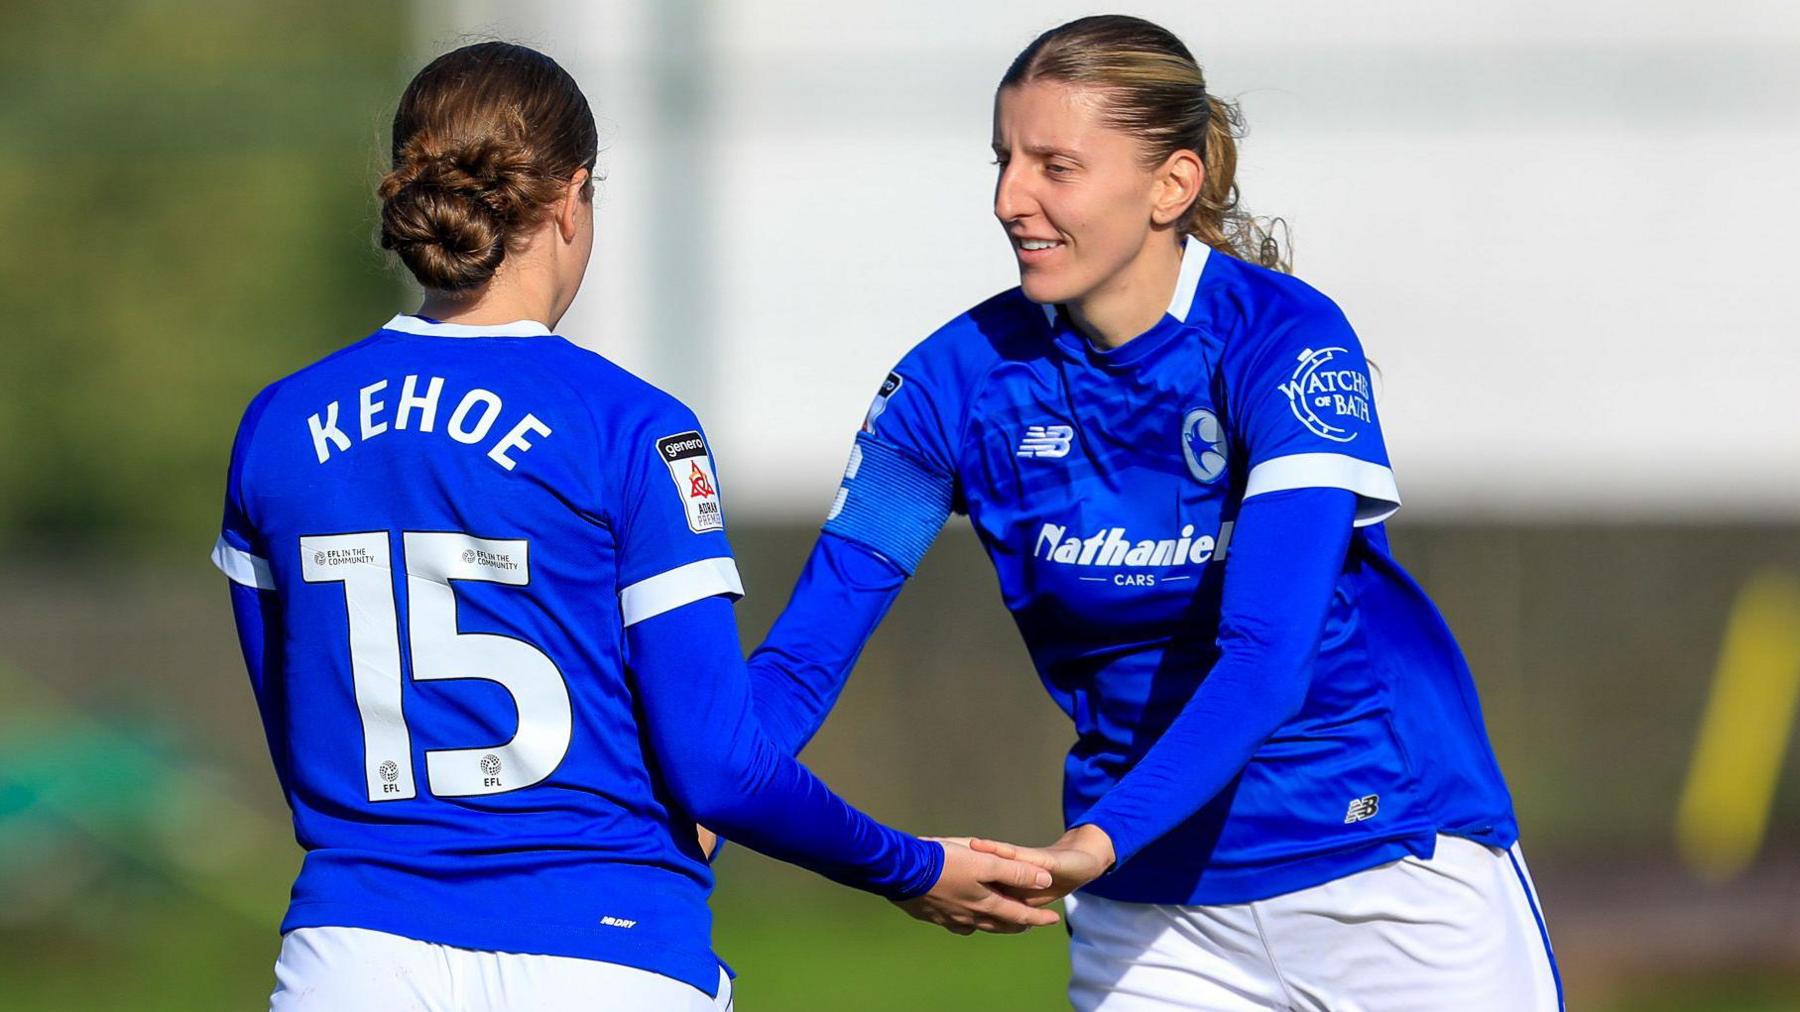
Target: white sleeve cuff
column 1377, row 496
column 243, row 568
column 673, row 588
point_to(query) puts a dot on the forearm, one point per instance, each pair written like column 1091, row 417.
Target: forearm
column 1286, row 554
column 799, row 671
column 734, row 778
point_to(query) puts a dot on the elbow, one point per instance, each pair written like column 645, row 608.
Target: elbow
column 714, row 793
column 1289, row 693
column 717, row 808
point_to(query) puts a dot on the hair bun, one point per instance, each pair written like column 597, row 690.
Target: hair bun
column 486, row 139
column 447, row 213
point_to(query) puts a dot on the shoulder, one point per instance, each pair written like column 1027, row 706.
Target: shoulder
column 1260, row 314
column 1247, row 300
column 298, row 383
column 623, row 404
column 1006, row 326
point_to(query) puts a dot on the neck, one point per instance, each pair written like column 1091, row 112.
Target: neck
column 519, row 290
column 1132, row 300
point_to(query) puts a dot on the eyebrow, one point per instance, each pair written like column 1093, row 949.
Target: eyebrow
column 1041, row 150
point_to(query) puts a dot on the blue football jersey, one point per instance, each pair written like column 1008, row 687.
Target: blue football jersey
column 453, row 526
column 1104, row 485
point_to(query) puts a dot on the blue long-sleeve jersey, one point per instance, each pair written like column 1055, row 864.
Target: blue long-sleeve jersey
column 481, row 578
column 1187, row 531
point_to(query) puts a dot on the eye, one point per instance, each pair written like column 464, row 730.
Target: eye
column 1058, row 168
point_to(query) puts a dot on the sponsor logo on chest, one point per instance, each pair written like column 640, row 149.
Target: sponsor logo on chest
column 1114, row 548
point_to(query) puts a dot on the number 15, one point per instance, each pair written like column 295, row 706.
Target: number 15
column 363, row 563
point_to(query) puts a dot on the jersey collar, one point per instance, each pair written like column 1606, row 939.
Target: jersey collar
column 431, row 328
column 1194, row 255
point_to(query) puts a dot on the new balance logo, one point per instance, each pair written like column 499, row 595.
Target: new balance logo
column 1046, row 441
column 1363, row 808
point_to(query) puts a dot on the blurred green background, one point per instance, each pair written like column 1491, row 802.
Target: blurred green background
column 188, row 214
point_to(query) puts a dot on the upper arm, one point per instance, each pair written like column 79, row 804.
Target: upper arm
column 669, row 517
column 239, row 552
column 900, row 483
column 1304, row 410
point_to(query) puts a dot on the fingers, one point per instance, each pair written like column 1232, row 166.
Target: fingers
column 1014, row 874
column 998, row 848
column 1013, row 852
column 1003, row 909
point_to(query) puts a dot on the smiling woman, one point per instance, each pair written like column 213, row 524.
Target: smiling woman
column 1281, row 793
column 1108, row 105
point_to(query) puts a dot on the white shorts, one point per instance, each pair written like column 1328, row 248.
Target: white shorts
column 1461, row 931
column 356, row 970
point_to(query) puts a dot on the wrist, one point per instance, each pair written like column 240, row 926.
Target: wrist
column 936, row 859
column 1093, row 841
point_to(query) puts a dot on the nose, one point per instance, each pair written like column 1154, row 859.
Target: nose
column 1012, row 200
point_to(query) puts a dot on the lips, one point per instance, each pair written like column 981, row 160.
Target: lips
column 1031, row 249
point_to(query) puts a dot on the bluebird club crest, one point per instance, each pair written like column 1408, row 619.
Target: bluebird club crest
column 1203, row 444
column 1327, row 389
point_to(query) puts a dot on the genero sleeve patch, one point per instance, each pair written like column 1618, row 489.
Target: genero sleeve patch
column 876, row 407
column 691, row 468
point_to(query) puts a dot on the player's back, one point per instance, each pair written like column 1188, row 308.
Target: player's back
column 442, row 520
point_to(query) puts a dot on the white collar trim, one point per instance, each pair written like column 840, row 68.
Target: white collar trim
column 1193, row 260
column 414, row 325
column 1194, row 254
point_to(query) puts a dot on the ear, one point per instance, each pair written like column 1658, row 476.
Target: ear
column 1177, row 186
column 570, row 204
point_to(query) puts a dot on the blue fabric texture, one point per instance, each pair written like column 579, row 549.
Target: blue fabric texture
column 843, row 593
column 891, row 503
column 1286, row 555
column 1320, row 717
column 734, row 779
column 438, row 539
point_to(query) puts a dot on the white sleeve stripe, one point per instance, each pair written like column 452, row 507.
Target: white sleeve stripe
column 243, row 568
column 1378, row 496
column 669, row 590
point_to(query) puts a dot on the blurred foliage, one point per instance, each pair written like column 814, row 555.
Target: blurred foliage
column 187, row 203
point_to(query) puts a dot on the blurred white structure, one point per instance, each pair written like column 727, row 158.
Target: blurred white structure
column 1563, row 230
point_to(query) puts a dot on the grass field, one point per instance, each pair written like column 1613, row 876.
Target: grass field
column 149, row 944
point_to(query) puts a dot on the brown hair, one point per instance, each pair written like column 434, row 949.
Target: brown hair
column 1153, row 90
column 485, row 140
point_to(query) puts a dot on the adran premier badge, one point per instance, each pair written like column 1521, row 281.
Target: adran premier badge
column 692, row 469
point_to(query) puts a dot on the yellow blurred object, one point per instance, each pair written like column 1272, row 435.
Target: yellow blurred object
column 1744, row 732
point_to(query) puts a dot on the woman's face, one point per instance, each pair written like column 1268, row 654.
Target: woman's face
column 1073, row 194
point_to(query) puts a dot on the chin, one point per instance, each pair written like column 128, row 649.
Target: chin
column 1044, row 290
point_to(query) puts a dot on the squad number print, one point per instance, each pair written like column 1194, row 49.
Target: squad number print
column 364, row 564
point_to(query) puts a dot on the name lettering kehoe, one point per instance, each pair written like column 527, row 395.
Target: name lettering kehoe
column 469, row 423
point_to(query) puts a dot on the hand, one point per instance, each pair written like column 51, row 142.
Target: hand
column 709, row 841
column 1082, row 855
column 967, row 896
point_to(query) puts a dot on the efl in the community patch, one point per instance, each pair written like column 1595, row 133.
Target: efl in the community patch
column 692, row 468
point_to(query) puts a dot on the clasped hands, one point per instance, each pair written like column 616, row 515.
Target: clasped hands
column 989, row 885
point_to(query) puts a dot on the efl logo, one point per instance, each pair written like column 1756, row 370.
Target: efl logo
column 1046, row 441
